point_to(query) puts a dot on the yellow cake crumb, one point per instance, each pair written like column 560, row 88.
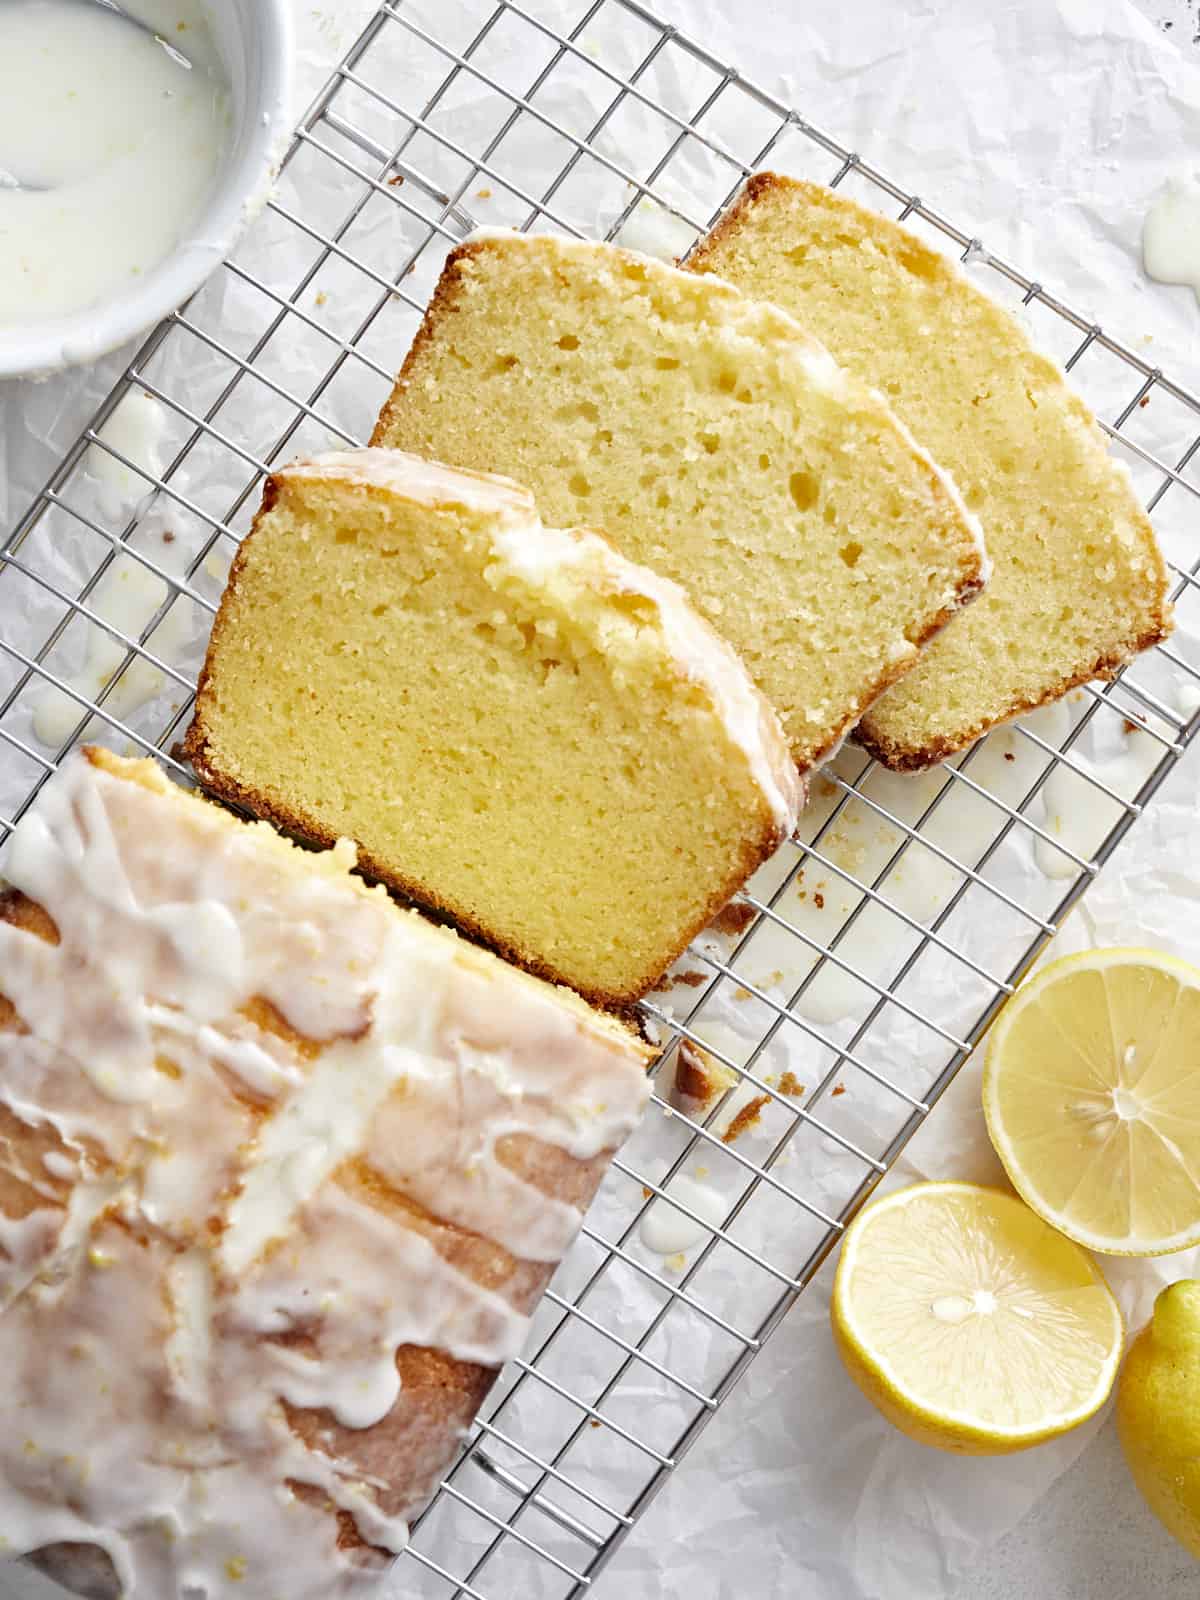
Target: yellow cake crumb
column 1079, row 585
column 662, row 407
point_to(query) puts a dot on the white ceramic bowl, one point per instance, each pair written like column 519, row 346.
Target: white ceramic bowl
column 254, row 38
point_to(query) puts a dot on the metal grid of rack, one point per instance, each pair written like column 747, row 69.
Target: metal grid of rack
column 868, row 958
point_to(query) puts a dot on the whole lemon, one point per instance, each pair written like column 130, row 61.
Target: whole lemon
column 1158, row 1411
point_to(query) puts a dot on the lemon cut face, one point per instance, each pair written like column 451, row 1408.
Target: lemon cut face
column 1092, row 1099
column 971, row 1324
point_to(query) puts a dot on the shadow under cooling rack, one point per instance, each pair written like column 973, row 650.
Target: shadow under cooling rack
column 849, row 983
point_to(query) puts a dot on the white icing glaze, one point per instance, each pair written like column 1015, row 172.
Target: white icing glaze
column 127, row 597
column 529, row 552
column 204, row 1245
column 652, row 230
column 704, row 657
column 1078, row 814
column 666, row 1230
column 114, row 143
column 137, row 427
column 420, row 479
column 1171, row 235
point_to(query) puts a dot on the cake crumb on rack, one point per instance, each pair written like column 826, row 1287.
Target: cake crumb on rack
column 734, row 918
column 691, row 979
column 747, row 1117
column 790, row 1084
column 699, row 1079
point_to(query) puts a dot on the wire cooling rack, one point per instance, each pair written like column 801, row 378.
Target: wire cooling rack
column 851, row 981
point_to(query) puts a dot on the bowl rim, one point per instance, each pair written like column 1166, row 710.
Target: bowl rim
column 38, row 349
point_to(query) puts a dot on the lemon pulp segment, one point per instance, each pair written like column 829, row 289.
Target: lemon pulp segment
column 1092, row 1097
column 970, row 1323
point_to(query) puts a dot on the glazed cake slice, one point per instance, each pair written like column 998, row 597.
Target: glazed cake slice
column 1079, row 585
column 519, row 728
column 283, row 1171
column 715, row 442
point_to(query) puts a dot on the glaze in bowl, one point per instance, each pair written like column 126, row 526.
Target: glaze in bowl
column 254, row 41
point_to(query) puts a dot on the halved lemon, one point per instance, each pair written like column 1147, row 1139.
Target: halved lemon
column 970, row 1323
column 1092, row 1099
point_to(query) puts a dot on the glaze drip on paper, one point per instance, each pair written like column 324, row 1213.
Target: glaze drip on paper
column 1171, row 235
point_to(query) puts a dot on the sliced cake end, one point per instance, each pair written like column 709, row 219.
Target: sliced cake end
column 1079, row 585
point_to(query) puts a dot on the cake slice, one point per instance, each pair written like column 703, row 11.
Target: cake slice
column 715, row 442
column 284, row 1170
column 518, row 727
column 1079, row 585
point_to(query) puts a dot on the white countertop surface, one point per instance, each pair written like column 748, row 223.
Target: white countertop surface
column 1090, row 1536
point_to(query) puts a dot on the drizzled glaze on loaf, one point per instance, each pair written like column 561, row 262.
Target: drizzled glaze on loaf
column 258, row 1131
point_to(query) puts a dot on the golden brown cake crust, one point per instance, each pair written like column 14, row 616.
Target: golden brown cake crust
column 899, row 758
column 409, row 1450
column 449, row 290
column 902, row 757
column 296, row 821
column 449, row 287
column 732, row 220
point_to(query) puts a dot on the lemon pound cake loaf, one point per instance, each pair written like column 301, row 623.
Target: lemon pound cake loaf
column 518, row 727
column 283, row 1171
column 715, row 442
column 1079, row 585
